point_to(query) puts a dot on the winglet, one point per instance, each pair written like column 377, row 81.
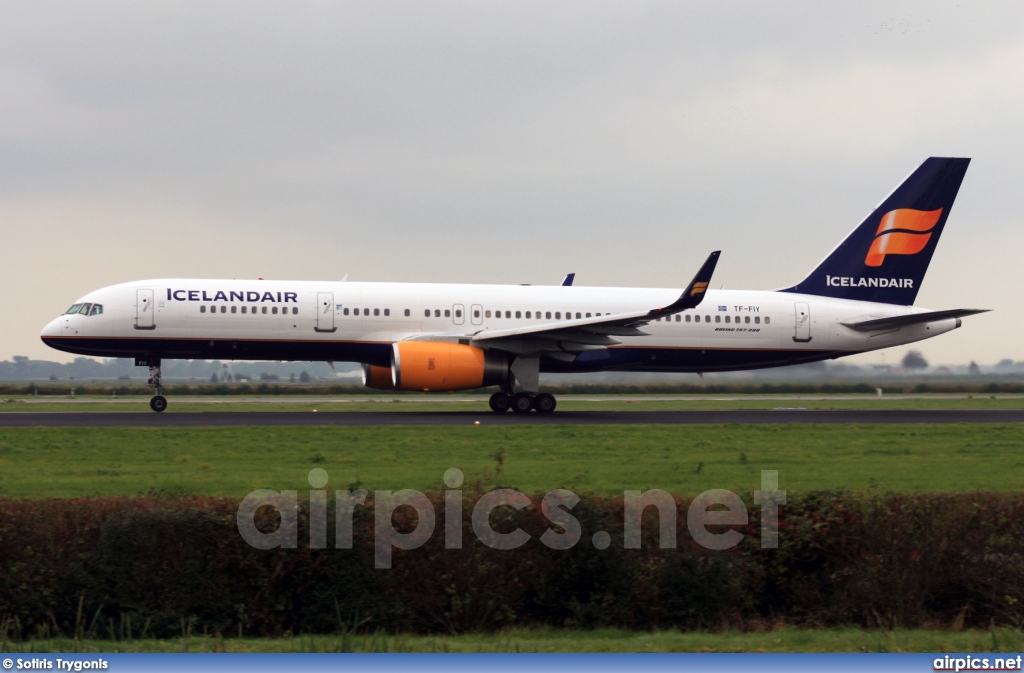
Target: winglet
column 568, row 279
column 694, row 292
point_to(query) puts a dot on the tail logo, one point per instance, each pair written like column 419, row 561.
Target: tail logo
column 902, row 232
column 698, row 288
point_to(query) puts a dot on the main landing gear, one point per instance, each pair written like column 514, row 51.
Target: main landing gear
column 522, row 403
column 525, row 371
column 159, row 402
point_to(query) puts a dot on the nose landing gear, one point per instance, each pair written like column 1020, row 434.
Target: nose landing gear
column 159, row 402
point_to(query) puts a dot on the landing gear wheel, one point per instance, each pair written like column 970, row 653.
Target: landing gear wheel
column 544, row 403
column 158, row 403
column 500, row 402
column 522, row 403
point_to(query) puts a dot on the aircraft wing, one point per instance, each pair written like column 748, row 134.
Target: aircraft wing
column 895, row 322
column 565, row 338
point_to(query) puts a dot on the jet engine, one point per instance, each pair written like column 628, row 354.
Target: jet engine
column 378, row 378
column 437, row 366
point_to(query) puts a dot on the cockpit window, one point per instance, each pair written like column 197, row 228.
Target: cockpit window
column 97, row 309
column 85, row 309
column 73, row 309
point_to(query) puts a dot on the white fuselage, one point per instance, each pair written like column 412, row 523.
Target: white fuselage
column 358, row 322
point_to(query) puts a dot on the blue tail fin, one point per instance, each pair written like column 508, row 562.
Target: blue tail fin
column 885, row 258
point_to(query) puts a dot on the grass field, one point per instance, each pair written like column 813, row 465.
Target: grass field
column 459, row 402
column 72, row 462
column 559, row 640
column 600, row 460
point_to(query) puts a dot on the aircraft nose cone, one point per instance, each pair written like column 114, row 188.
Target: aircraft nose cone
column 52, row 329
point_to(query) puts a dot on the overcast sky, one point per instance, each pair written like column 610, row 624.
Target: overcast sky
column 501, row 143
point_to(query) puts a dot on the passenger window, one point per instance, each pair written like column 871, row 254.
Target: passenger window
column 726, row 318
column 407, row 314
column 588, row 315
column 243, row 310
column 519, row 314
column 757, row 320
column 202, row 309
column 679, row 318
column 426, row 313
column 376, row 311
column 344, row 311
column 528, row 314
column 458, row 313
column 487, row 313
column 234, row 309
column 558, row 315
column 272, row 310
column 387, row 312
column 447, row 313
column 767, row 320
column 264, row 310
column 718, row 318
column 578, row 315
column 687, row 318
column 707, row 318
column 547, row 315
column 295, row 310
column 746, row 319
column 476, row 313
column 437, row 313
column 224, row 309
column 508, row 314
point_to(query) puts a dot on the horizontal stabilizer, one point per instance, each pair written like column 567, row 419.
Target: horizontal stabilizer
column 895, row 322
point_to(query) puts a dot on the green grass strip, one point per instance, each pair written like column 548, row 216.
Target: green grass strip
column 598, row 460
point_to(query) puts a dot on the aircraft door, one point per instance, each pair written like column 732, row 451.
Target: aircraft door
column 325, row 312
column 802, row 315
column 458, row 314
column 476, row 315
column 145, row 311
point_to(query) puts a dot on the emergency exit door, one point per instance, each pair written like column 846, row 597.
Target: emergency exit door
column 325, row 312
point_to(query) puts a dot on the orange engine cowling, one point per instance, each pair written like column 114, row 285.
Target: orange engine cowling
column 437, row 366
column 378, row 378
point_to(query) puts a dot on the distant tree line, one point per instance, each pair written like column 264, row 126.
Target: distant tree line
column 21, row 368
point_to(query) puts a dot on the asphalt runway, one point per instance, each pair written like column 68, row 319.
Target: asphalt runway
column 455, row 418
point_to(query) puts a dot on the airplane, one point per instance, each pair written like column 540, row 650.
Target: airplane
column 447, row 337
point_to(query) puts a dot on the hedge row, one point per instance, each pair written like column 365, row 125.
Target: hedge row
column 166, row 566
